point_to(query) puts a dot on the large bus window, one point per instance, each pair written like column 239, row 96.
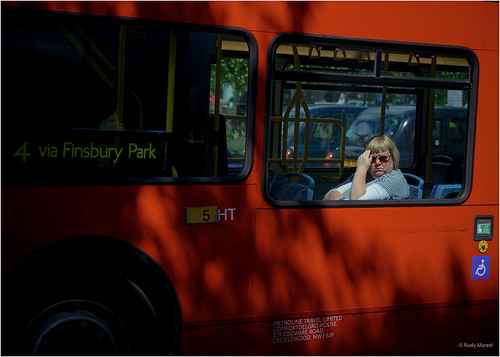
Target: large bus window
column 101, row 98
column 330, row 96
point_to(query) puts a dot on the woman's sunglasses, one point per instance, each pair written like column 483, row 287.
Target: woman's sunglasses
column 383, row 159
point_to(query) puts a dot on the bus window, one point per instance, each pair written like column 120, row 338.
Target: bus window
column 98, row 99
column 419, row 97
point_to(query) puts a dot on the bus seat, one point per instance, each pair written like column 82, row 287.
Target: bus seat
column 441, row 167
column 416, row 185
column 288, row 190
column 444, row 191
column 415, row 192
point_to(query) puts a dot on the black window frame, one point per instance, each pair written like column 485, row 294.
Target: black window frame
column 377, row 79
column 41, row 180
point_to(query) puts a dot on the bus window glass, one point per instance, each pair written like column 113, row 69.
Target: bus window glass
column 424, row 64
column 324, row 57
column 329, row 98
column 94, row 98
column 399, row 125
column 233, row 83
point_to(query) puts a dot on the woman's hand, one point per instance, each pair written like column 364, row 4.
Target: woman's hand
column 358, row 187
column 364, row 161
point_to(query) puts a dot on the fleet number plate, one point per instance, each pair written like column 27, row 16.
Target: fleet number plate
column 197, row 215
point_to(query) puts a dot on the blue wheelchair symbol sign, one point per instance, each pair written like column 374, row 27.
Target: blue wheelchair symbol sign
column 480, row 267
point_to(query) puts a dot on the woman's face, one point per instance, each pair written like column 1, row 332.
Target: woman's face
column 381, row 163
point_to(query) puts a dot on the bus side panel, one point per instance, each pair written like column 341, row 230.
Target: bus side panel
column 409, row 332
column 394, row 262
column 486, row 159
column 350, row 258
column 378, row 19
column 209, row 264
column 379, row 279
column 491, row 28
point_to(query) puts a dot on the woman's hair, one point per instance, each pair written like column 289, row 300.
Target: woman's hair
column 382, row 143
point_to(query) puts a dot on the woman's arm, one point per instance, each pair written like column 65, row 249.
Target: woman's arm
column 333, row 195
column 358, row 188
column 339, row 192
column 375, row 192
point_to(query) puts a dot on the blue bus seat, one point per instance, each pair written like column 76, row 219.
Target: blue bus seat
column 416, row 185
column 288, row 190
column 415, row 192
column 442, row 191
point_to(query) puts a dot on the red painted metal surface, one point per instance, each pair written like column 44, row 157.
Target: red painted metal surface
column 397, row 276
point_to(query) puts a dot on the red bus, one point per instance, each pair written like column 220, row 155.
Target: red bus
column 164, row 166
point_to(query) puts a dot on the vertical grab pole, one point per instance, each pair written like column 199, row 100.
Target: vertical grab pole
column 384, row 95
column 218, row 66
column 301, row 101
column 169, row 127
column 298, row 100
column 430, row 122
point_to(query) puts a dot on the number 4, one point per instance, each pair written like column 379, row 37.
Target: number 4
column 23, row 151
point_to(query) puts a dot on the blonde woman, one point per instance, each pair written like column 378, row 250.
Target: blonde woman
column 377, row 175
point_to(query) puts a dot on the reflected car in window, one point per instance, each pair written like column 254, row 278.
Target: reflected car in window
column 448, row 134
column 324, row 135
column 399, row 126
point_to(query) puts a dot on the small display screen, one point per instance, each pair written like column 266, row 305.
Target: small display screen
column 483, row 227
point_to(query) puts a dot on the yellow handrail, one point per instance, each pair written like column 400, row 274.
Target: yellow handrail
column 169, row 127
column 86, row 56
column 298, row 100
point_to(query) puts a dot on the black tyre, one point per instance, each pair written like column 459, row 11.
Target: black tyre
column 89, row 296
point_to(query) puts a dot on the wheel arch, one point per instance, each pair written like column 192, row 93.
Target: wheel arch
column 90, row 265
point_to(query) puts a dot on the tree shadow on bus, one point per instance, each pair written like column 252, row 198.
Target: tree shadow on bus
column 373, row 274
column 236, row 279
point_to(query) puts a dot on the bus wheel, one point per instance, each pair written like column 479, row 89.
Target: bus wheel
column 84, row 326
column 89, row 296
